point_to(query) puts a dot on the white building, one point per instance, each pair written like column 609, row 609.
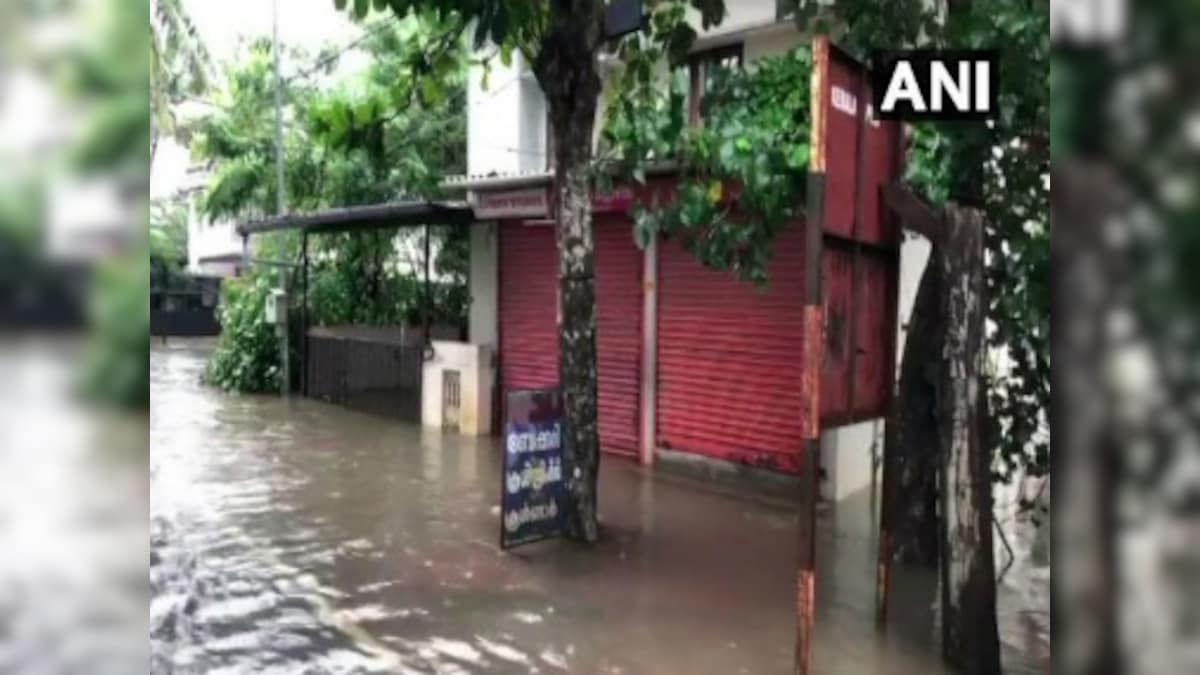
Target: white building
column 214, row 247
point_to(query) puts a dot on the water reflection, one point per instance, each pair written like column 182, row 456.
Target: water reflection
column 293, row 536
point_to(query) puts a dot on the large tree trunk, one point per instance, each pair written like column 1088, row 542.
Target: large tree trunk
column 566, row 70
column 969, row 635
column 913, row 498
column 908, row 519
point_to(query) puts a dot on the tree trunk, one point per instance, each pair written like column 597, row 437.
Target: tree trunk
column 566, row 70
column 912, row 498
column 908, row 519
column 969, row 634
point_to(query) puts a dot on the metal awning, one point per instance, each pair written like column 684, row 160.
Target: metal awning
column 372, row 216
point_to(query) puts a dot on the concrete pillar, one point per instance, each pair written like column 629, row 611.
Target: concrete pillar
column 649, row 393
column 484, row 285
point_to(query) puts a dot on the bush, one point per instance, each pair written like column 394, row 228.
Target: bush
column 246, row 358
column 118, row 362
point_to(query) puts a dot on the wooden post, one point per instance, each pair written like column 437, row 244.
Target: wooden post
column 428, row 297
column 968, row 570
column 814, row 360
column 304, row 313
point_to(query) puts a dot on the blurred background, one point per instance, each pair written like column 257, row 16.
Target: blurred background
column 1125, row 130
column 75, row 232
column 74, row 235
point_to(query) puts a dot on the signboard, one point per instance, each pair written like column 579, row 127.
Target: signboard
column 524, row 203
column 532, row 492
column 617, row 201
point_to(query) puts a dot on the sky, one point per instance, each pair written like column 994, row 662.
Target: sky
column 221, row 23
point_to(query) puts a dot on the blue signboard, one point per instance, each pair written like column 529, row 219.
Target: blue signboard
column 532, row 492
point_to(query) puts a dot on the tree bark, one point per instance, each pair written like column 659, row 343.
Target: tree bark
column 566, row 70
column 969, row 633
column 912, row 464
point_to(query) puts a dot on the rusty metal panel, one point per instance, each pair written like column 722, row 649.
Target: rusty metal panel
column 882, row 165
column 842, row 112
column 837, row 266
column 730, row 361
column 860, row 257
column 618, row 333
column 875, row 336
column 528, row 306
column 813, row 345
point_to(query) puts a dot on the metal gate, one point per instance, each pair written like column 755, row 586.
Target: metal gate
column 368, row 373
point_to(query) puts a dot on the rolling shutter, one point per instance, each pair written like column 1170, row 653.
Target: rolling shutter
column 529, row 326
column 528, row 307
column 618, row 333
column 729, row 358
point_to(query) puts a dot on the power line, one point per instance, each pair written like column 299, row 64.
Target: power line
column 321, row 63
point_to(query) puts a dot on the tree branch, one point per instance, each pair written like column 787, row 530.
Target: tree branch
column 914, row 213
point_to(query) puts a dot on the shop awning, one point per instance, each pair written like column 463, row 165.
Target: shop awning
column 372, row 216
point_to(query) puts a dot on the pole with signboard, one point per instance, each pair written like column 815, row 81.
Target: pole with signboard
column 532, row 492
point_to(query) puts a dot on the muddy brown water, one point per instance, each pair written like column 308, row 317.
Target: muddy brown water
column 294, row 536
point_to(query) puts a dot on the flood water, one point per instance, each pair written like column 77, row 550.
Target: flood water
column 299, row 537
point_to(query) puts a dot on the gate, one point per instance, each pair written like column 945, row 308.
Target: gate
column 376, row 371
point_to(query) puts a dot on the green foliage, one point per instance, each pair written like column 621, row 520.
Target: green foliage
column 388, row 134
column 168, row 232
column 108, row 74
column 117, row 369
column 749, row 157
column 180, row 67
column 246, row 358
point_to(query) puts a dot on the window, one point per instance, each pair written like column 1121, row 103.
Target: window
column 702, row 69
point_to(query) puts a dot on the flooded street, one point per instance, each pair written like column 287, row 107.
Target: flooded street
column 299, row 537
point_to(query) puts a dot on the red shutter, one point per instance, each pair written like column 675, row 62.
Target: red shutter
column 729, row 358
column 528, row 307
column 529, row 326
column 618, row 333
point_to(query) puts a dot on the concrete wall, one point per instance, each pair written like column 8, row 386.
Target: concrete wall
column 484, row 285
column 208, row 239
column 474, row 366
column 505, row 120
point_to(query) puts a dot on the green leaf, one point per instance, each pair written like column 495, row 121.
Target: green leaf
column 361, row 7
column 715, row 191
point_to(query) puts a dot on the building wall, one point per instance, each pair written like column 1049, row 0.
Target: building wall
column 482, row 326
column 206, row 239
column 505, row 119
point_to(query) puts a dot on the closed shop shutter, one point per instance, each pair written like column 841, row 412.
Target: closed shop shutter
column 618, row 333
column 528, row 307
column 529, row 326
column 729, row 358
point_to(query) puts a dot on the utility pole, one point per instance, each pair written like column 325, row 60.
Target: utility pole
column 285, row 380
